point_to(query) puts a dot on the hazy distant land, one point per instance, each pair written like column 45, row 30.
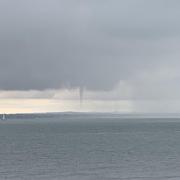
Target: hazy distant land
column 92, row 115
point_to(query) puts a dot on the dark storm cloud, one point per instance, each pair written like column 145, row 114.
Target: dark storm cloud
column 92, row 44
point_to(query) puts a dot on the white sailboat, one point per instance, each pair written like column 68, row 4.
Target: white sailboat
column 3, row 117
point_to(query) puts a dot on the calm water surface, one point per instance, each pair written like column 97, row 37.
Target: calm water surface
column 96, row 149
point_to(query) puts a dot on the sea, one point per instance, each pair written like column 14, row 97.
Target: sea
column 90, row 147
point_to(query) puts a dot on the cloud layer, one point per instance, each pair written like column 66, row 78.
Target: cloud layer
column 90, row 44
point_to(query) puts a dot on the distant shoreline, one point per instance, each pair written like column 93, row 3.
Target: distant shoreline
column 91, row 114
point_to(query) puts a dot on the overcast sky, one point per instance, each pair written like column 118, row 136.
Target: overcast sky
column 120, row 50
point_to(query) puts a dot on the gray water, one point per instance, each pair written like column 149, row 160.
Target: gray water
column 96, row 149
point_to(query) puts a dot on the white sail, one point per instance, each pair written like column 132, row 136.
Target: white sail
column 3, row 117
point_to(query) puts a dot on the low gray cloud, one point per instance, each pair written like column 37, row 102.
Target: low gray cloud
column 91, row 44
